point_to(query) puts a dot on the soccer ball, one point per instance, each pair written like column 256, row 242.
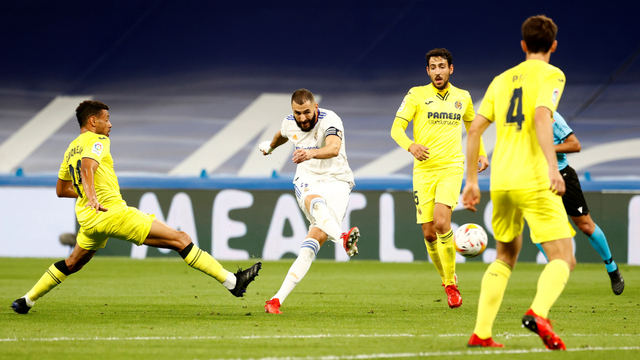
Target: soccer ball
column 470, row 240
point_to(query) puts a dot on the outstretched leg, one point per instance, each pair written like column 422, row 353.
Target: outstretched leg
column 297, row 271
column 162, row 235
column 56, row 274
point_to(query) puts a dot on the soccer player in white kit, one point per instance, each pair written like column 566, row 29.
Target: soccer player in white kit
column 322, row 183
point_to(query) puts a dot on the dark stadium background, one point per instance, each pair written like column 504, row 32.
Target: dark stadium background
column 77, row 46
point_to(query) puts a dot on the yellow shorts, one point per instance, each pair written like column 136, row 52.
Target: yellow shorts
column 129, row 224
column 542, row 209
column 436, row 186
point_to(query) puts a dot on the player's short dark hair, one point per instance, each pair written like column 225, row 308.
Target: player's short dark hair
column 440, row 52
column 301, row 96
column 87, row 109
column 539, row 32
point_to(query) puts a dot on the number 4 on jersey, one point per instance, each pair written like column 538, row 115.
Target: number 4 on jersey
column 515, row 115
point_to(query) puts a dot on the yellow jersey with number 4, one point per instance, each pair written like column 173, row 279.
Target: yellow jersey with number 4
column 96, row 147
column 511, row 101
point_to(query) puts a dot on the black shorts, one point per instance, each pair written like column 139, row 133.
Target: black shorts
column 573, row 198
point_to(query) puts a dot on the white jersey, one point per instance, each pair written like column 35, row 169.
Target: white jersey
column 319, row 169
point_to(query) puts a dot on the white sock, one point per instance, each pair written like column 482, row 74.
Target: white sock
column 299, row 268
column 29, row 302
column 230, row 282
column 320, row 211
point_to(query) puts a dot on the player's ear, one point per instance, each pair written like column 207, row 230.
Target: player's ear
column 523, row 45
column 554, row 46
column 450, row 69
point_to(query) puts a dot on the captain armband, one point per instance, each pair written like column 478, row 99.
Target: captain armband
column 333, row 131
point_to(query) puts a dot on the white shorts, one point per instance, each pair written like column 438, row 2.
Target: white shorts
column 334, row 192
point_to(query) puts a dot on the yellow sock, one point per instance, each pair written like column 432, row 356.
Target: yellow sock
column 550, row 285
column 201, row 260
column 447, row 252
column 494, row 284
column 48, row 281
column 432, row 250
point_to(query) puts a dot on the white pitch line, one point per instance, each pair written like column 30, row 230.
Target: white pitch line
column 436, row 353
column 261, row 337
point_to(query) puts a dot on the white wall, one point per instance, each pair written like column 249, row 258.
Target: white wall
column 32, row 219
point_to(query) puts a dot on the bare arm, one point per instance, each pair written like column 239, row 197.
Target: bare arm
column 331, row 149
column 544, row 133
column 64, row 189
column 471, row 191
column 87, row 171
column 570, row 145
column 277, row 140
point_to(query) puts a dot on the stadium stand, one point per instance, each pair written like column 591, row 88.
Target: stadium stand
column 181, row 75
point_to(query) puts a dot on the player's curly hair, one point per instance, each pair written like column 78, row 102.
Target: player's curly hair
column 539, row 32
column 440, row 52
column 87, row 109
column 301, row 96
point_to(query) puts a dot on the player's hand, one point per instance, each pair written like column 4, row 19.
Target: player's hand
column 471, row 196
column 483, row 163
column 265, row 147
column 557, row 182
column 301, row 155
column 419, row 151
column 94, row 204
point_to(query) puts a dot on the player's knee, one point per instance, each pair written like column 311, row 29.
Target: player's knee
column 587, row 228
column 572, row 263
column 73, row 266
column 442, row 228
column 183, row 239
column 430, row 236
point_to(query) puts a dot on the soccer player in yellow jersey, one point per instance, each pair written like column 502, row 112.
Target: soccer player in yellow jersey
column 437, row 111
column 87, row 174
column 525, row 182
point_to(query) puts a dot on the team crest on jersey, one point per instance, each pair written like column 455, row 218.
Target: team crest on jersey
column 295, row 137
column 401, row 106
column 97, row 148
column 555, row 96
column 315, row 136
column 458, row 105
column 419, row 211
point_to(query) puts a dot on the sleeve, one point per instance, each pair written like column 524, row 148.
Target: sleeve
column 283, row 127
column 468, row 117
column 561, row 129
column 399, row 134
column 97, row 148
column 487, row 108
column 551, row 90
column 407, row 108
column 469, row 113
column 332, row 125
column 63, row 173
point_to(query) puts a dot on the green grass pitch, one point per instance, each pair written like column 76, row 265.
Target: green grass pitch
column 118, row 308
